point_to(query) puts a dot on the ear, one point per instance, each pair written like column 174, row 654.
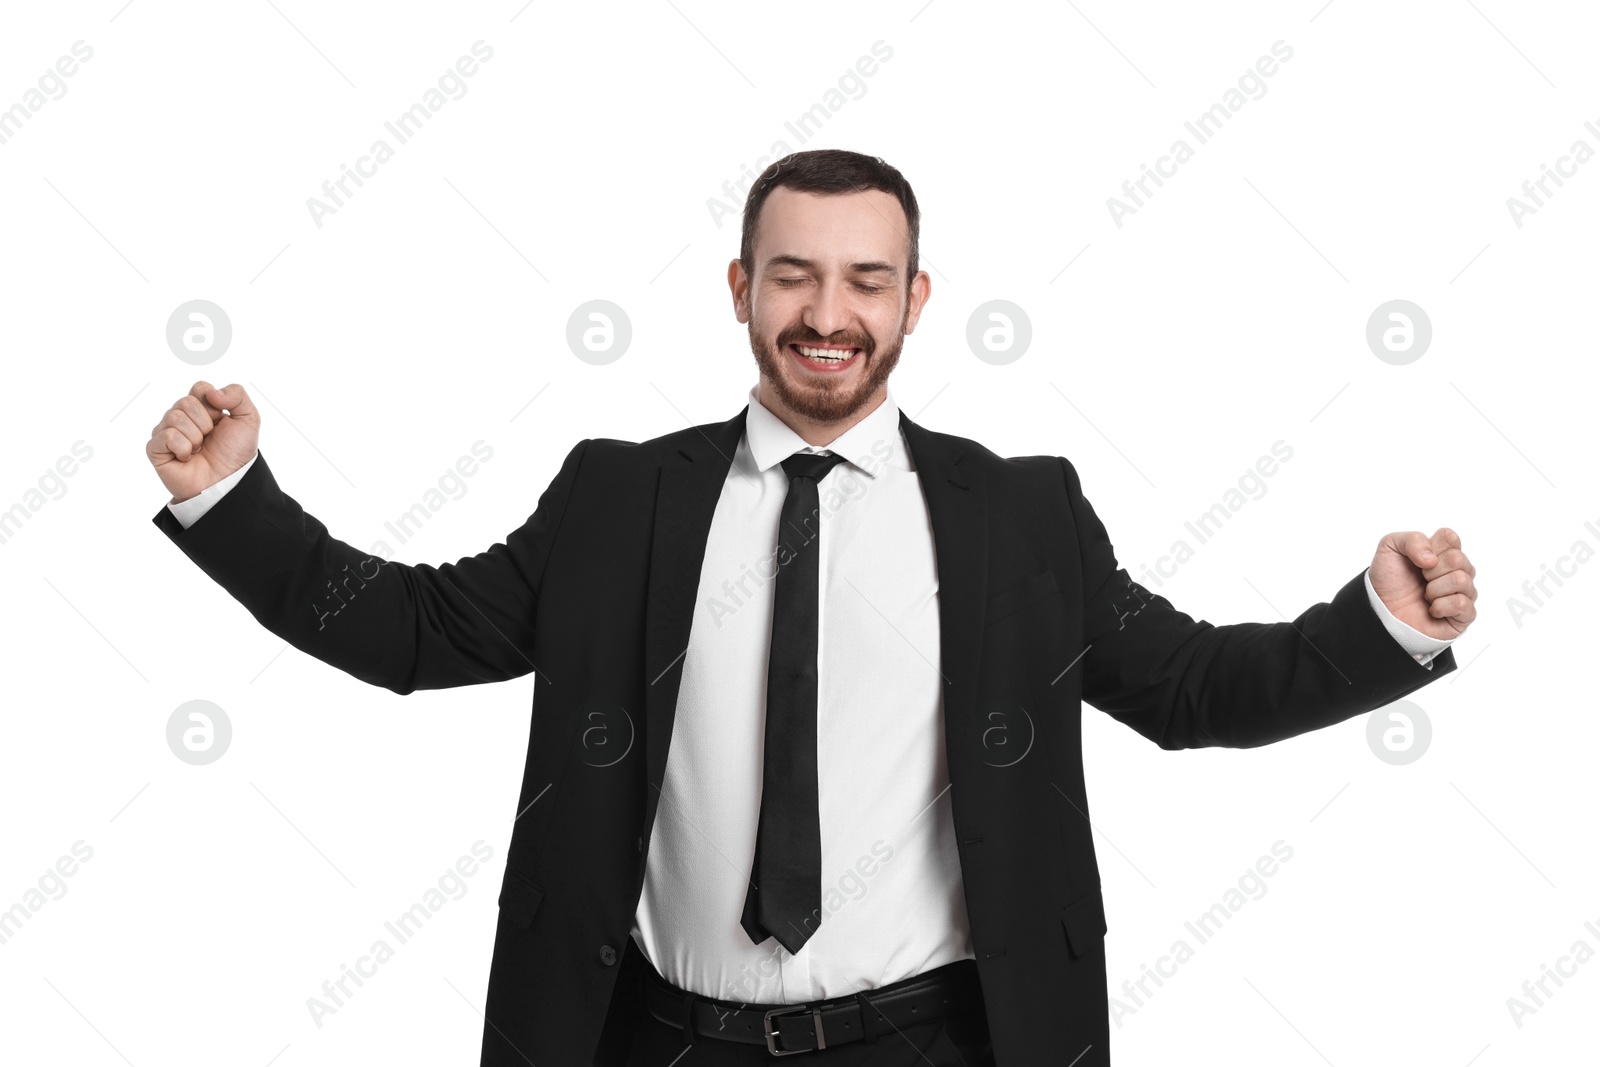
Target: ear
column 739, row 286
column 921, row 286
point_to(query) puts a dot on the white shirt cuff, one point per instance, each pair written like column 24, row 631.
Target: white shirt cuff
column 1419, row 645
column 188, row 512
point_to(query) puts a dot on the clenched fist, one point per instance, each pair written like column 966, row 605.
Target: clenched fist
column 203, row 438
column 1426, row 582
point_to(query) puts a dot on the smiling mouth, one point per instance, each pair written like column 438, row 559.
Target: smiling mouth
column 825, row 357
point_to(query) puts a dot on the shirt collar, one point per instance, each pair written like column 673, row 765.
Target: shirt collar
column 870, row 443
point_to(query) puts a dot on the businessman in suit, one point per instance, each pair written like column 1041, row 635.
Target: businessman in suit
column 804, row 770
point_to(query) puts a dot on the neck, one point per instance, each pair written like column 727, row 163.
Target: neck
column 814, row 432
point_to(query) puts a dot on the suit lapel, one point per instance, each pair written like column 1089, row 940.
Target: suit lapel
column 687, row 491
column 958, row 511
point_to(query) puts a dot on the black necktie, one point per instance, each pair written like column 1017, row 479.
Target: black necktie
column 785, row 896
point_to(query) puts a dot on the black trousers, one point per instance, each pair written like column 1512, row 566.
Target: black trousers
column 961, row 1039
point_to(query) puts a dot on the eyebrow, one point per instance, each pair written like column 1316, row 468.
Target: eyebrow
column 873, row 267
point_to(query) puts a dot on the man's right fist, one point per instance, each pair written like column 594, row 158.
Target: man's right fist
column 203, row 438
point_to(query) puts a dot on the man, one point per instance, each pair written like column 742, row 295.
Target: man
column 804, row 771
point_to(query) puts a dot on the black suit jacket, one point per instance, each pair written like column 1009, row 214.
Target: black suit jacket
column 595, row 593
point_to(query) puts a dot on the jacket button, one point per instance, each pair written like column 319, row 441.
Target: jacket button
column 608, row 955
column 639, row 844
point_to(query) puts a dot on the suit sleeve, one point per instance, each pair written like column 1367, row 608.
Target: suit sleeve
column 1184, row 683
column 1418, row 645
column 389, row 624
column 188, row 512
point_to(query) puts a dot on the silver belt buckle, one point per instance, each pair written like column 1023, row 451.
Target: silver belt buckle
column 772, row 1035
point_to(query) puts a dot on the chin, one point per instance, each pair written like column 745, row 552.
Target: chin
column 826, row 401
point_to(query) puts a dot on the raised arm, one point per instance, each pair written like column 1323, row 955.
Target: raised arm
column 1189, row 684
column 390, row 624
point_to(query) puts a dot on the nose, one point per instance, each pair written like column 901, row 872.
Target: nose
column 827, row 312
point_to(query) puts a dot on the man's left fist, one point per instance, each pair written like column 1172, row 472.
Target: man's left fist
column 1426, row 582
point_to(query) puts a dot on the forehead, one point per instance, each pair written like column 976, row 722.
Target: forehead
column 846, row 227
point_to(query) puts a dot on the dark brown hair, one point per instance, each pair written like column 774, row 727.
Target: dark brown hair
column 829, row 170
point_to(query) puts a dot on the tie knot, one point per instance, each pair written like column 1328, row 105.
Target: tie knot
column 810, row 465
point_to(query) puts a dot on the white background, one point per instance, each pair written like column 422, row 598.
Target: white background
column 1226, row 314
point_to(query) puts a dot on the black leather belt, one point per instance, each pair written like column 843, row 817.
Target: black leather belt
column 787, row 1029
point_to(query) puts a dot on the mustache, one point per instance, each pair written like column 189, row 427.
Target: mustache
column 802, row 335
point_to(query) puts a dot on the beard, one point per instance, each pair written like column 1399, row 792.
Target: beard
column 817, row 397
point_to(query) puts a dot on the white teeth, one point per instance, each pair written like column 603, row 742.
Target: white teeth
column 826, row 355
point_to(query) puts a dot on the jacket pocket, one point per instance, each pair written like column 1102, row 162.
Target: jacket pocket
column 1023, row 594
column 520, row 897
column 1085, row 923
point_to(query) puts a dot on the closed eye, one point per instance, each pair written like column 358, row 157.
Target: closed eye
column 865, row 287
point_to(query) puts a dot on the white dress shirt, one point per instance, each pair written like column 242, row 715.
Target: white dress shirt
column 893, row 902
